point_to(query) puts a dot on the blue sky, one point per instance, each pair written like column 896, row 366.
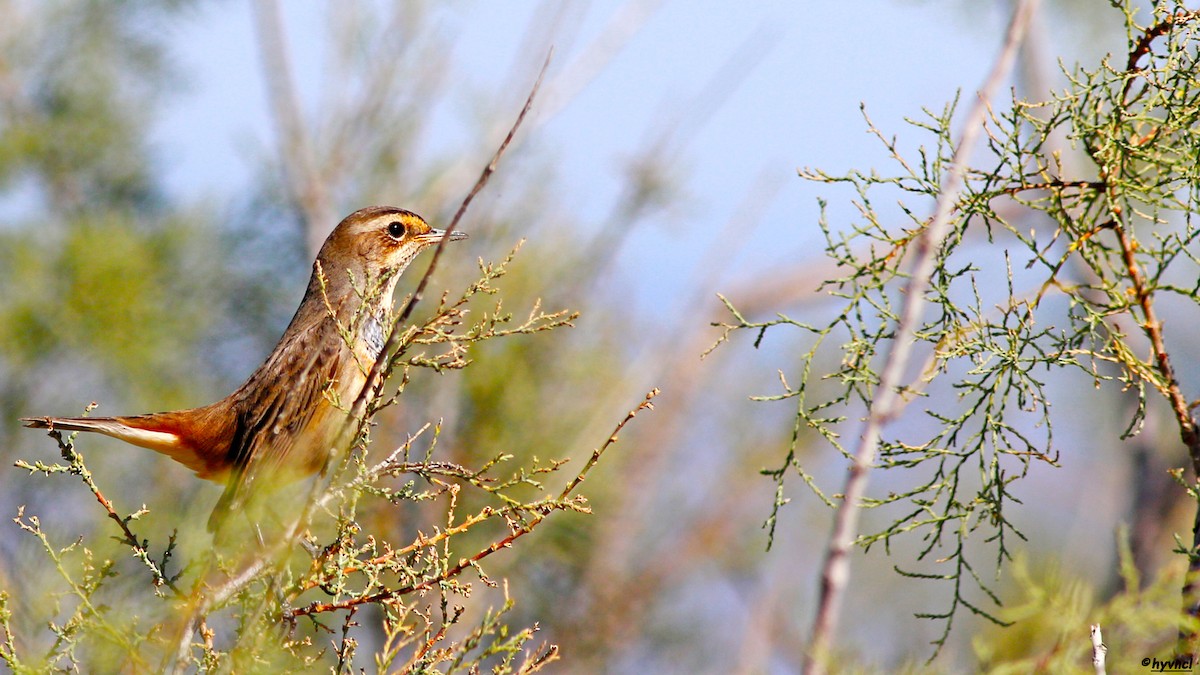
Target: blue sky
column 802, row 71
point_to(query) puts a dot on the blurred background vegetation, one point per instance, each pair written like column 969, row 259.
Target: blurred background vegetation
column 117, row 286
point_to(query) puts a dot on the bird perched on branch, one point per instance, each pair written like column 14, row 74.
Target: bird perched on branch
column 281, row 424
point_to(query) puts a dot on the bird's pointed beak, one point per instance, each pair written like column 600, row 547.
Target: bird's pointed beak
column 433, row 236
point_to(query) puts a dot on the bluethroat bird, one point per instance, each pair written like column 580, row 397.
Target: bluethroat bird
column 280, row 425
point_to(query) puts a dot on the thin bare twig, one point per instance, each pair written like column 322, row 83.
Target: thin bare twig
column 374, row 378
column 1099, row 650
column 887, row 404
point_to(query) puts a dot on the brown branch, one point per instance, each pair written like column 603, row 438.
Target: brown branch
column 887, row 404
column 1188, row 640
column 1153, row 330
column 1142, row 47
column 646, row 404
column 393, row 593
column 420, row 542
column 486, row 513
column 542, row 509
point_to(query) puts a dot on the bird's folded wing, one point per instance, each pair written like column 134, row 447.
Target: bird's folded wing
column 273, row 420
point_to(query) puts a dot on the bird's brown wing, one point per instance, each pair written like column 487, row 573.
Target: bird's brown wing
column 273, row 412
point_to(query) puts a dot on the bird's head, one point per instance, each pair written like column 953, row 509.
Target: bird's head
column 376, row 243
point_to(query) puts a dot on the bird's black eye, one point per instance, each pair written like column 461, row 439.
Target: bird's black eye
column 396, row 229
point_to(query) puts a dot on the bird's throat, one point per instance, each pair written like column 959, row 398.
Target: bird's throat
column 372, row 335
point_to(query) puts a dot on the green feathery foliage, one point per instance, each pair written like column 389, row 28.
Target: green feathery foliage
column 1050, row 265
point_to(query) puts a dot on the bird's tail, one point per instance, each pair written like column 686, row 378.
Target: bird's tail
column 140, row 430
column 161, row 432
column 105, row 425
